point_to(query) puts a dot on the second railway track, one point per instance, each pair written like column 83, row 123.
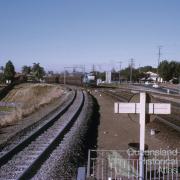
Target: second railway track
column 124, row 96
column 24, row 159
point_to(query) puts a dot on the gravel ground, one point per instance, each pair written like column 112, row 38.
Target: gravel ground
column 117, row 130
column 10, row 132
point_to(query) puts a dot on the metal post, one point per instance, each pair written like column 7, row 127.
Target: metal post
column 131, row 74
column 64, row 77
column 119, row 71
column 119, row 74
column 131, row 69
column 142, row 133
column 89, row 163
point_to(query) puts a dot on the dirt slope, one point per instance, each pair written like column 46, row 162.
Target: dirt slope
column 28, row 98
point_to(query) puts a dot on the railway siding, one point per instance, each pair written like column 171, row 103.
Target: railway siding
column 115, row 132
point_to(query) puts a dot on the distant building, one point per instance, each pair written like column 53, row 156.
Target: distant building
column 108, row 77
column 99, row 81
column 31, row 78
column 89, row 78
column 151, row 77
column 20, row 77
column 113, row 77
column 49, row 78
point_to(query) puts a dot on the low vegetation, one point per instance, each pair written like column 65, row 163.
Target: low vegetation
column 29, row 98
column 6, row 109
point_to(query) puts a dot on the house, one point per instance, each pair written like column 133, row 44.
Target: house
column 151, row 77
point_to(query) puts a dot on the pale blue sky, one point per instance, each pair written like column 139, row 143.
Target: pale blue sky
column 60, row 33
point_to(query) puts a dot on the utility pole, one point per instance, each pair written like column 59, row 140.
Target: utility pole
column 64, row 76
column 84, row 69
column 159, row 57
column 120, row 62
column 93, row 68
column 131, row 68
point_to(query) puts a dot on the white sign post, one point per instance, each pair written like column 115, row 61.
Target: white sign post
column 142, row 108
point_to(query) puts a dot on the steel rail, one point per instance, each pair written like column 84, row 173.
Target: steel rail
column 177, row 128
column 19, row 147
column 56, row 131
column 161, row 119
column 33, row 168
column 123, row 99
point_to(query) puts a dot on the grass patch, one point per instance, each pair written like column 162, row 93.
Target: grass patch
column 32, row 97
column 5, row 108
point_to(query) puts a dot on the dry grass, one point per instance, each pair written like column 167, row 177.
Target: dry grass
column 32, row 97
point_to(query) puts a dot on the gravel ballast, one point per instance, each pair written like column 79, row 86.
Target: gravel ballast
column 15, row 132
column 70, row 154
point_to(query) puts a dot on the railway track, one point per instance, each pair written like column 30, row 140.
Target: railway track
column 142, row 89
column 23, row 159
column 172, row 123
column 125, row 96
column 23, row 132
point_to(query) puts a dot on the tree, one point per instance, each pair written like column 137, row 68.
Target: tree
column 38, row 71
column 26, row 70
column 164, row 70
column 126, row 73
column 137, row 74
column 169, row 70
column 147, row 68
column 175, row 69
column 101, row 75
column 9, row 71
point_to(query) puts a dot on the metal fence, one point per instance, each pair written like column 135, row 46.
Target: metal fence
column 120, row 165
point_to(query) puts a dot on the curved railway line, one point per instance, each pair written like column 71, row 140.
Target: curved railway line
column 23, row 158
column 171, row 120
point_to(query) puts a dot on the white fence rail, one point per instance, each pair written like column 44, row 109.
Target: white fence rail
column 119, row 165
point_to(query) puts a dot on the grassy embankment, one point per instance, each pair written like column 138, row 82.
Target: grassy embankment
column 30, row 97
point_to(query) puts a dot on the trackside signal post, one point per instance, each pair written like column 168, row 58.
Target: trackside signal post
column 142, row 108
